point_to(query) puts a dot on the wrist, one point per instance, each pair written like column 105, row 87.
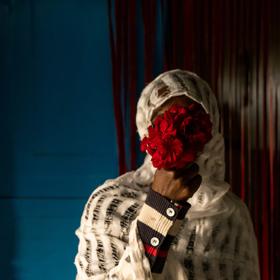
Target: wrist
column 179, row 202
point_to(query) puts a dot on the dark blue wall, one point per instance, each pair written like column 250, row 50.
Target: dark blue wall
column 58, row 138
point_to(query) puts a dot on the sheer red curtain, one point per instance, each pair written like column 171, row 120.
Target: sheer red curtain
column 235, row 46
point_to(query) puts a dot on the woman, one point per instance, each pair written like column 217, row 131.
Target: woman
column 154, row 223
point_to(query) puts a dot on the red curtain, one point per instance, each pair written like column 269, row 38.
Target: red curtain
column 235, row 46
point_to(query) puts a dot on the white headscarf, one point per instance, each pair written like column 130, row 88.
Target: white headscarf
column 210, row 197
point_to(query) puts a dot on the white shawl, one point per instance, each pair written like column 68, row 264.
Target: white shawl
column 217, row 239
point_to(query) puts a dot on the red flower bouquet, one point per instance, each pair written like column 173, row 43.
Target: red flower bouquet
column 177, row 136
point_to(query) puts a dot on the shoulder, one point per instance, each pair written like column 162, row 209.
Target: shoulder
column 115, row 201
column 121, row 186
column 242, row 223
column 245, row 244
column 241, row 212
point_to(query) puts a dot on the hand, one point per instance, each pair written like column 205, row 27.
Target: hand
column 178, row 184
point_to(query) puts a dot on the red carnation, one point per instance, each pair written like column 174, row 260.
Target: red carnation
column 177, row 136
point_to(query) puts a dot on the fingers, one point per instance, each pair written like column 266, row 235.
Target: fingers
column 190, row 188
column 193, row 184
column 187, row 172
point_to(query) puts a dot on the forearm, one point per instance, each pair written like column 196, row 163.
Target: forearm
column 158, row 223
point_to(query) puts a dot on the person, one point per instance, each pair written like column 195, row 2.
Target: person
column 182, row 224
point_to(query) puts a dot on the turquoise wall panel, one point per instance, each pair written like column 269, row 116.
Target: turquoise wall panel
column 58, row 138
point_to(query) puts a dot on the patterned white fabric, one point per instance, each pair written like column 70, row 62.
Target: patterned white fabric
column 216, row 240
